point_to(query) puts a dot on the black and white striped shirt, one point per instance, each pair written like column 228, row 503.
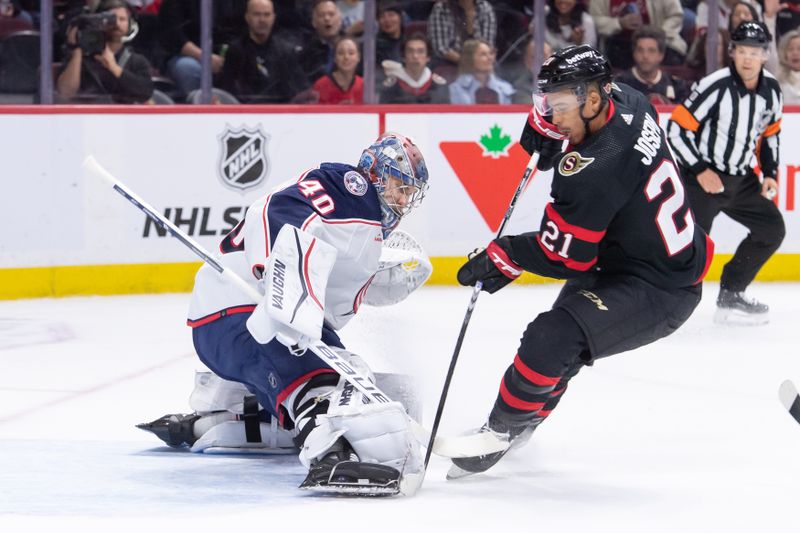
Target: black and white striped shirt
column 722, row 125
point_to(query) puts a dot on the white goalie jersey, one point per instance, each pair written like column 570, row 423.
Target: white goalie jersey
column 337, row 205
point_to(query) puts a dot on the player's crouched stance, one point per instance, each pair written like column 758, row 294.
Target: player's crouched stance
column 317, row 247
column 619, row 230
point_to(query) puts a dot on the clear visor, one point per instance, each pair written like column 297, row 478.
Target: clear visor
column 404, row 193
column 557, row 103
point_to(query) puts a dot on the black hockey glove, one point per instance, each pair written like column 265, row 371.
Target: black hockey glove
column 539, row 135
column 493, row 266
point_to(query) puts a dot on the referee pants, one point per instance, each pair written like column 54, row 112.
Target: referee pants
column 741, row 201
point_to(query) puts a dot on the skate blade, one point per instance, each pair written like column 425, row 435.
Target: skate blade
column 734, row 317
column 222, row 450
column 456, row 472
column 160, row 431
column 353, row 490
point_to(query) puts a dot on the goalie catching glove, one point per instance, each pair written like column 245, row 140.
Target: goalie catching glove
column 404, row 267
column 493, row 266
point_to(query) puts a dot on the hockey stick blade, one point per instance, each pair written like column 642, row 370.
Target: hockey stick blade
column 529, row 170
column 790, row 399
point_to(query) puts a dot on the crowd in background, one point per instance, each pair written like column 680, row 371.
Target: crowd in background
column 445, row 51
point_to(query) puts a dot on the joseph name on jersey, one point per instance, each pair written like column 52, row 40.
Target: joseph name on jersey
column 619, row 206
column 334, row 203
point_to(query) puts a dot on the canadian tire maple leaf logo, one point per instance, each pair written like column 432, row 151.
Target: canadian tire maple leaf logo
column 489, row 170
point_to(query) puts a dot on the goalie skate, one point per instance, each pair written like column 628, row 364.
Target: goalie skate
column 338, row 473
column 175, row 430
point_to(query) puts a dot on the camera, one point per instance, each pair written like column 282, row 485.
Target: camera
column 92, row 30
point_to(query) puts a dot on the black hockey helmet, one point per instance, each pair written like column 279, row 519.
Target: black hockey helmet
column 573, row 66
column 751, row 33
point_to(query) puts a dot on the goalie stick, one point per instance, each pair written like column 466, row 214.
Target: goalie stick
column 464, row 446
column 790, row 399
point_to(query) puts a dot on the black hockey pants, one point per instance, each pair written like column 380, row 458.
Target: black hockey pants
column 742, row 201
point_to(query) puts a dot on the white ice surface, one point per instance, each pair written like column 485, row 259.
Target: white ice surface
column 684, row 435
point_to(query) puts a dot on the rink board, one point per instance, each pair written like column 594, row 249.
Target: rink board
column 202, row 166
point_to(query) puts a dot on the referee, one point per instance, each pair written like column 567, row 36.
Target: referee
column 732, row 117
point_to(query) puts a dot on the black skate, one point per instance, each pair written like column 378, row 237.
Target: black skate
column 341, row 472
column 176, row 430
column 466, row 466
column 736, row 308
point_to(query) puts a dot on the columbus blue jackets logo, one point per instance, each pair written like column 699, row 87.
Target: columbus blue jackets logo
column 355, row 183
column 243, row 162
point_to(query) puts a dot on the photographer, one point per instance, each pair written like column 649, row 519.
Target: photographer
column 100, row 68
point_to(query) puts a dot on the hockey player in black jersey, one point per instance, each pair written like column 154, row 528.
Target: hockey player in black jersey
column 619, row 230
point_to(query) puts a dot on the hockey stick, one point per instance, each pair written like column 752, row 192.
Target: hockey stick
column 466, row 446
column 475, row 293
column 321, row 349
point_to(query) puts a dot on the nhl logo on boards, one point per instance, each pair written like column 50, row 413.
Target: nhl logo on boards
column 572, row 163
column 243, row 162
column 355, row 183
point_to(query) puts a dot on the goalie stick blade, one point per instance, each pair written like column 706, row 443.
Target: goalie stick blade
column 790, row 399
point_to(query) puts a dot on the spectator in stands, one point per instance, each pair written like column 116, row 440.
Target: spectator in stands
column 477, row 82
column 454, row 21
column 789, row 72
column 725, row 7
column 259, row 66
column 696, row 58
column 180, row 35
column 342, row 85
column 646, row 76
column 389, row 41
column 523, row 85
column 567, row 23
column 741, row 11
column 12, row 10
column 412, row 82
column 352, row 16
column 616, row 20
column 316, row 55
column 117, row 74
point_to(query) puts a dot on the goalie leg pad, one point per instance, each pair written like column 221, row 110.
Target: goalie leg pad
column 231, row 437
column 212, row 393
column 377, row 433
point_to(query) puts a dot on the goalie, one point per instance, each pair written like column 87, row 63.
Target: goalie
column 316, row 247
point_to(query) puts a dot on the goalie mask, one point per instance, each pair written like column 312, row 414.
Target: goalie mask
column 395, row 166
